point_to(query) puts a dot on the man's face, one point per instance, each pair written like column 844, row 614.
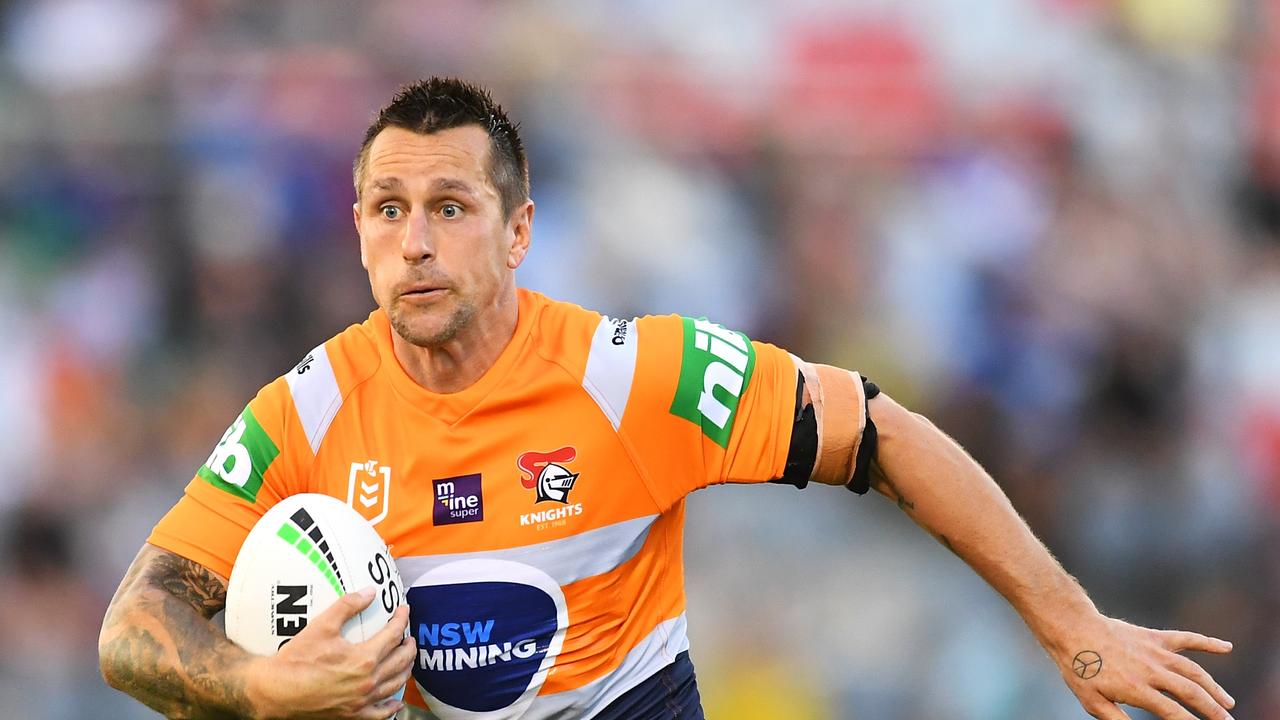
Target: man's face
column 432, row 232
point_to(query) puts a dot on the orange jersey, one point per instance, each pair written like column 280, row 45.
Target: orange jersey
column 536, row 516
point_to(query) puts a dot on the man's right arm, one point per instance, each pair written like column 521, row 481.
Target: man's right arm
column 159, row 645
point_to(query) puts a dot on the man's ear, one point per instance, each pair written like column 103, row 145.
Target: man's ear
column 355, row 217
column 522, row 229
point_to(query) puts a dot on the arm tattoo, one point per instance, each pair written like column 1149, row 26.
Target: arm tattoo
column 947, row 544
column 904, row 504
column 882, row 483
column 159, row 645
column 187, row 581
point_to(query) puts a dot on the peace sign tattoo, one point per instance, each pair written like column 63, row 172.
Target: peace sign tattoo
column 1087, row 664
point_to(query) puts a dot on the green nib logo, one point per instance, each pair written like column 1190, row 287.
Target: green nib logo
column 715, row 371
column 240, row 458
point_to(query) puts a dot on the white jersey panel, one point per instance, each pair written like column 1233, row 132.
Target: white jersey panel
column 611, row 367
column 316, row 396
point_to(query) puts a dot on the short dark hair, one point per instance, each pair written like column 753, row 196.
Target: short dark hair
column 441, row 103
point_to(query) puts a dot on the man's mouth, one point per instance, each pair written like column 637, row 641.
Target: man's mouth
column 422, row 291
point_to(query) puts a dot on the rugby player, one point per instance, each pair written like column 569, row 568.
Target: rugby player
column 527, row 460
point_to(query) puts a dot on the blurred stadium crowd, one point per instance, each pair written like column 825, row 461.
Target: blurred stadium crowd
column 1051, row 225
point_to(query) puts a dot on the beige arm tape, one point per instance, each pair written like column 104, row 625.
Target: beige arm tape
column 839, row 404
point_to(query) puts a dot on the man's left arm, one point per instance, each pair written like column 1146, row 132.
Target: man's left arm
column 1103, row 660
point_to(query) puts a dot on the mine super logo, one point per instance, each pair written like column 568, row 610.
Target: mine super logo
column 458, row 500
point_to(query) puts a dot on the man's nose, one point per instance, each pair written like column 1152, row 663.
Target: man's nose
column 417, row 244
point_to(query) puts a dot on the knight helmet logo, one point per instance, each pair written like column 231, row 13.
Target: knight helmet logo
column 544, row 471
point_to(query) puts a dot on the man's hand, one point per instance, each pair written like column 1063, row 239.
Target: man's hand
column 1114, row 662
column 1104, row 661
column 318, row 674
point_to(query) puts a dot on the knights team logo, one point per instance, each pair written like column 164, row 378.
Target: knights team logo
column 546, row 473
column 543, row 471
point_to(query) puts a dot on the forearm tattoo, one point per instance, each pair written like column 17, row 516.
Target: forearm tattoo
column 947, row 544
column 159, row 646
column 881, row 482
column 886, row 486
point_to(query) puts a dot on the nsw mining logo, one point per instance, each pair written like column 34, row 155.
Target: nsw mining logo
column 488, row 633
column 547, row 474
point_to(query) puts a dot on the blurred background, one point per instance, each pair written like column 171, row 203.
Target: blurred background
column 1051, row 225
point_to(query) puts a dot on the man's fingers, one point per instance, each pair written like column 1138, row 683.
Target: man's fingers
column 399, row 676
column 390, row 675
column 1106, row 710
column 381, row 711
column 1192, row 695
column 386, row 688
column 410, row 650
column 1189, row 669
column 390, row 636
column 1163, row 707
column 347, row 607
column 399, row 661
column 1180, row 640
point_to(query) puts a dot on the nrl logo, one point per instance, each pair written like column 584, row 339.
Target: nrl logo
column 369, row 490
column 544, row 471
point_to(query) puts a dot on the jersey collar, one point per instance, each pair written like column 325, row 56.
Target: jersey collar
column 452, row 407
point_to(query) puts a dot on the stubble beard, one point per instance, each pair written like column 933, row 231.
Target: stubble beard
column 415, row 334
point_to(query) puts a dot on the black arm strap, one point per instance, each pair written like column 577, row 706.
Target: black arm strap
column 861, row 480
column 803, row 451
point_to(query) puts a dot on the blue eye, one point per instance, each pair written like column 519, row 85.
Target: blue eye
column 450, row 211
column 390, row 212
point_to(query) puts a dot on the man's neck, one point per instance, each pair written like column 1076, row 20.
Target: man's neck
column 458, row 363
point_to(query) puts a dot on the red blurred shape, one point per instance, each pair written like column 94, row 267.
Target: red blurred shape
column 1262, row 450
column 666, row 99
column 858, row 87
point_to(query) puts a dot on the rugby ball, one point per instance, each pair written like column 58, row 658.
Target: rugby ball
column 302, row 555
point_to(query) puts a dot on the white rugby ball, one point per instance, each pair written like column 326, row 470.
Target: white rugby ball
column 300, row 557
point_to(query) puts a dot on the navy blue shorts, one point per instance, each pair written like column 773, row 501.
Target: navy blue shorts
column 668, row 694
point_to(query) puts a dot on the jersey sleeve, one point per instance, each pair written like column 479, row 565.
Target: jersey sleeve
column 261, row 458
column 708, row 406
